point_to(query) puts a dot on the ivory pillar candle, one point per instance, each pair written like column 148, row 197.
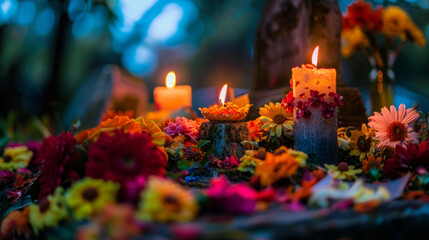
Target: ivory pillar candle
column 172, row 97
column 315, row 118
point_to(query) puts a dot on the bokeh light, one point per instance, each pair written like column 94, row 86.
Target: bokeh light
column 26, row 13
column 8, row 8
column 45, row 21
column 166, row 24
column 140, row 59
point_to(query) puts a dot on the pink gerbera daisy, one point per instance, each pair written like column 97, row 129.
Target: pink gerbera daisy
column 393, row 127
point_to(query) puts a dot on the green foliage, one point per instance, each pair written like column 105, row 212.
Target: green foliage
column 202, row 143
column 184, row 164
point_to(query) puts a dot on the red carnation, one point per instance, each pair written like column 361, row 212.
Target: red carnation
column 57, row 158
column 125, row 157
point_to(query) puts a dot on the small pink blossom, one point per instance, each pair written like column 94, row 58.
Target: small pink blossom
column 183, row 126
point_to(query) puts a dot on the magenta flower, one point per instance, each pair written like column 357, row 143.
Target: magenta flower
column 183, row 126
column 231, row 198
column 6, row 177
column 316, row 99
column 328, row 110
column 338, row 99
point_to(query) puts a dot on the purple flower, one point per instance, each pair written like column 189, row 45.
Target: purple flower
column 328, row 110
column 301, row 105
column 338, row 99
column 316, row 99
column 6, row 177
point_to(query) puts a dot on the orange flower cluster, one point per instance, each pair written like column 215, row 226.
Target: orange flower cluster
column 229, row 112
column 109, row 126
column 275, row 167
column 16, row 222
column 125, row 124
column 112, row 113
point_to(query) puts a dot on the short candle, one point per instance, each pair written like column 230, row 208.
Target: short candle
column 172, row 97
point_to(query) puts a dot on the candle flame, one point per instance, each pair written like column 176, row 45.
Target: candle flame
column 315, row 56
column 222, row 95
column 170, row 80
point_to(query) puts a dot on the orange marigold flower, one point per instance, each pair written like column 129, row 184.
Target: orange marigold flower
column 371, row 162
column 123, row 123
column 276, row 167
column 109, row 114
column 256, row 132
column 16, row 221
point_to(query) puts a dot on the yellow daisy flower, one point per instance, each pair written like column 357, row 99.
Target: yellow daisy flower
column 362, row 143
column 89, row 196
column 156, row 134
column 395, row 22
column 353, row 40
column 48, row 212
column 275, row 119
column 343, row 171
column 251, row 159
column 164, row 200
column 15, row 158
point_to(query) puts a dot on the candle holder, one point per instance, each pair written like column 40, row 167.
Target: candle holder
column 224, row 129
column 225, row 137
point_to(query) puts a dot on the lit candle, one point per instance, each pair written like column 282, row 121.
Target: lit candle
column 315, row 119
column 225, row 111
column 224, row 130
column 172, row 97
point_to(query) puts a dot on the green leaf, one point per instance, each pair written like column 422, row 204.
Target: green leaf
column 183, row 164
column 202, row 143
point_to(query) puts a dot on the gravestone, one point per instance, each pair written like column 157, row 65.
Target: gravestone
column 108, row 88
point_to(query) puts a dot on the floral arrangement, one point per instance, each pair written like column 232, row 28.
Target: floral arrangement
column 122, row 177
column 362, row 23
column 380, row 34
